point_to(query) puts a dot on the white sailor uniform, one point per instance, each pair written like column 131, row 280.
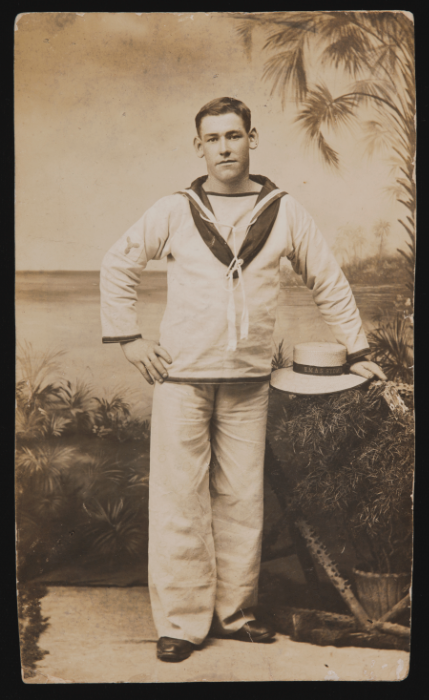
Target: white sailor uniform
column 209, row 417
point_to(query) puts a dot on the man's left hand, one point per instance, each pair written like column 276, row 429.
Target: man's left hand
column 368, row 370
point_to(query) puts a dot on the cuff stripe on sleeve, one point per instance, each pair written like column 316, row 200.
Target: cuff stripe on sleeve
column 358, row 356
column 121, row 338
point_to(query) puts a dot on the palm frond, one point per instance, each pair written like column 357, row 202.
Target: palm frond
column 387, row 28
column 77, row 395
column 384, row 60
column 394, row 191
column 38, row 397
column 376, row 137
column 349, row 51
column 410, row 204
column 333, row 26
column 287, row 70
column 379, row 94
column 392, row 349
column 55, row 424
column 410, row 257
column 111, row 406
column 403, row 187
column 410, row 229
column 321, row 108
column 95, row 474
column 277, row 19
column 49, row 504
column 44, row 466
column 114, row 528
column 77, row 404
column 244, row 31
column 29, row 424
column 33, row 389
column 35, row 372
column 408, row 185
column 137, row 474
column 295, row 29
column 381, row 228
column 330, row 156
column 281, row 357
column 395, row 163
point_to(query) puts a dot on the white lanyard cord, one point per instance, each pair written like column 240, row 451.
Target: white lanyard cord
column 234, row 266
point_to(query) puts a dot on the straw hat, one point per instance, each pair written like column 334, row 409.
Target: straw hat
column 318, row 368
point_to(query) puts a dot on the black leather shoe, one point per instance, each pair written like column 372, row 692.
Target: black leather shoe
column 173, row 650
column 254, row 631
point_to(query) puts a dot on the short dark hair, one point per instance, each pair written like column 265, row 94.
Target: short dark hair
column 224, row 105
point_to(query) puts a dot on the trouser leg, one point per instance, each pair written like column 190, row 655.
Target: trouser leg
column 238, row 443
column 182, row 567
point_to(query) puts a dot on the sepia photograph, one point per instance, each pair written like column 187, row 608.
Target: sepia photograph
column 215, row 256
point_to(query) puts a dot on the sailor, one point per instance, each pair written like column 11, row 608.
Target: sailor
column 223, row 238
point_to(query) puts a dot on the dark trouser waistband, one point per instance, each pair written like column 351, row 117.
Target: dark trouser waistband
column 221, row 380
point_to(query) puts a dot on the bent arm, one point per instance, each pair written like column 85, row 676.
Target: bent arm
column 121, row 270
column 312, row 258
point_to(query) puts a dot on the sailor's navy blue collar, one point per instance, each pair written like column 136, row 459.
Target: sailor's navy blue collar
column 265, row 213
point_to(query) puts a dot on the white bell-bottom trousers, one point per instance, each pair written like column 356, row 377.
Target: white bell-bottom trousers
column 205, row 506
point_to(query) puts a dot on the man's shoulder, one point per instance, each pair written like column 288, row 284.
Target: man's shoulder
column 168, row 204
column 170, row 200
column 290, row 202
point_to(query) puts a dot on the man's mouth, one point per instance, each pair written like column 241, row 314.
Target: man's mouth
column 225, row 162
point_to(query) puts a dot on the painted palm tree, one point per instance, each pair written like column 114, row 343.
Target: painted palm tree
column 376, row 51
column 381, row 230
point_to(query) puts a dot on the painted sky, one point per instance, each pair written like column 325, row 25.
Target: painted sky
column 104, row 123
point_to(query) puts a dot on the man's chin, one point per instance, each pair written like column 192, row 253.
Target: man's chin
column 229, row 174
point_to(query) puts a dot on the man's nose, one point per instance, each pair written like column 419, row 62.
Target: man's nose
column 223, row 146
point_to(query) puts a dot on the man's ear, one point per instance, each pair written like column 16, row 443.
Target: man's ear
column 253, row 138
column 198, row 146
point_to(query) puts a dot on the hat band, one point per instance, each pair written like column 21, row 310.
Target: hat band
column 321, row 371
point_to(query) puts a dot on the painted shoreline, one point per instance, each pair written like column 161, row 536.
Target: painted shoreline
column 61, row 310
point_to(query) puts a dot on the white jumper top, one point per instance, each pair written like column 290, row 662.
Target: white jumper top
column 195, row 329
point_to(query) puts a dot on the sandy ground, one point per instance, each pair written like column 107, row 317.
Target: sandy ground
column 107, row 635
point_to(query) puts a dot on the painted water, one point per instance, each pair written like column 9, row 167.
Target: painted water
column 60, row 310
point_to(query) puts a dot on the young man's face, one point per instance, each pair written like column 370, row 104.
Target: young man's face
column 224, row 143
